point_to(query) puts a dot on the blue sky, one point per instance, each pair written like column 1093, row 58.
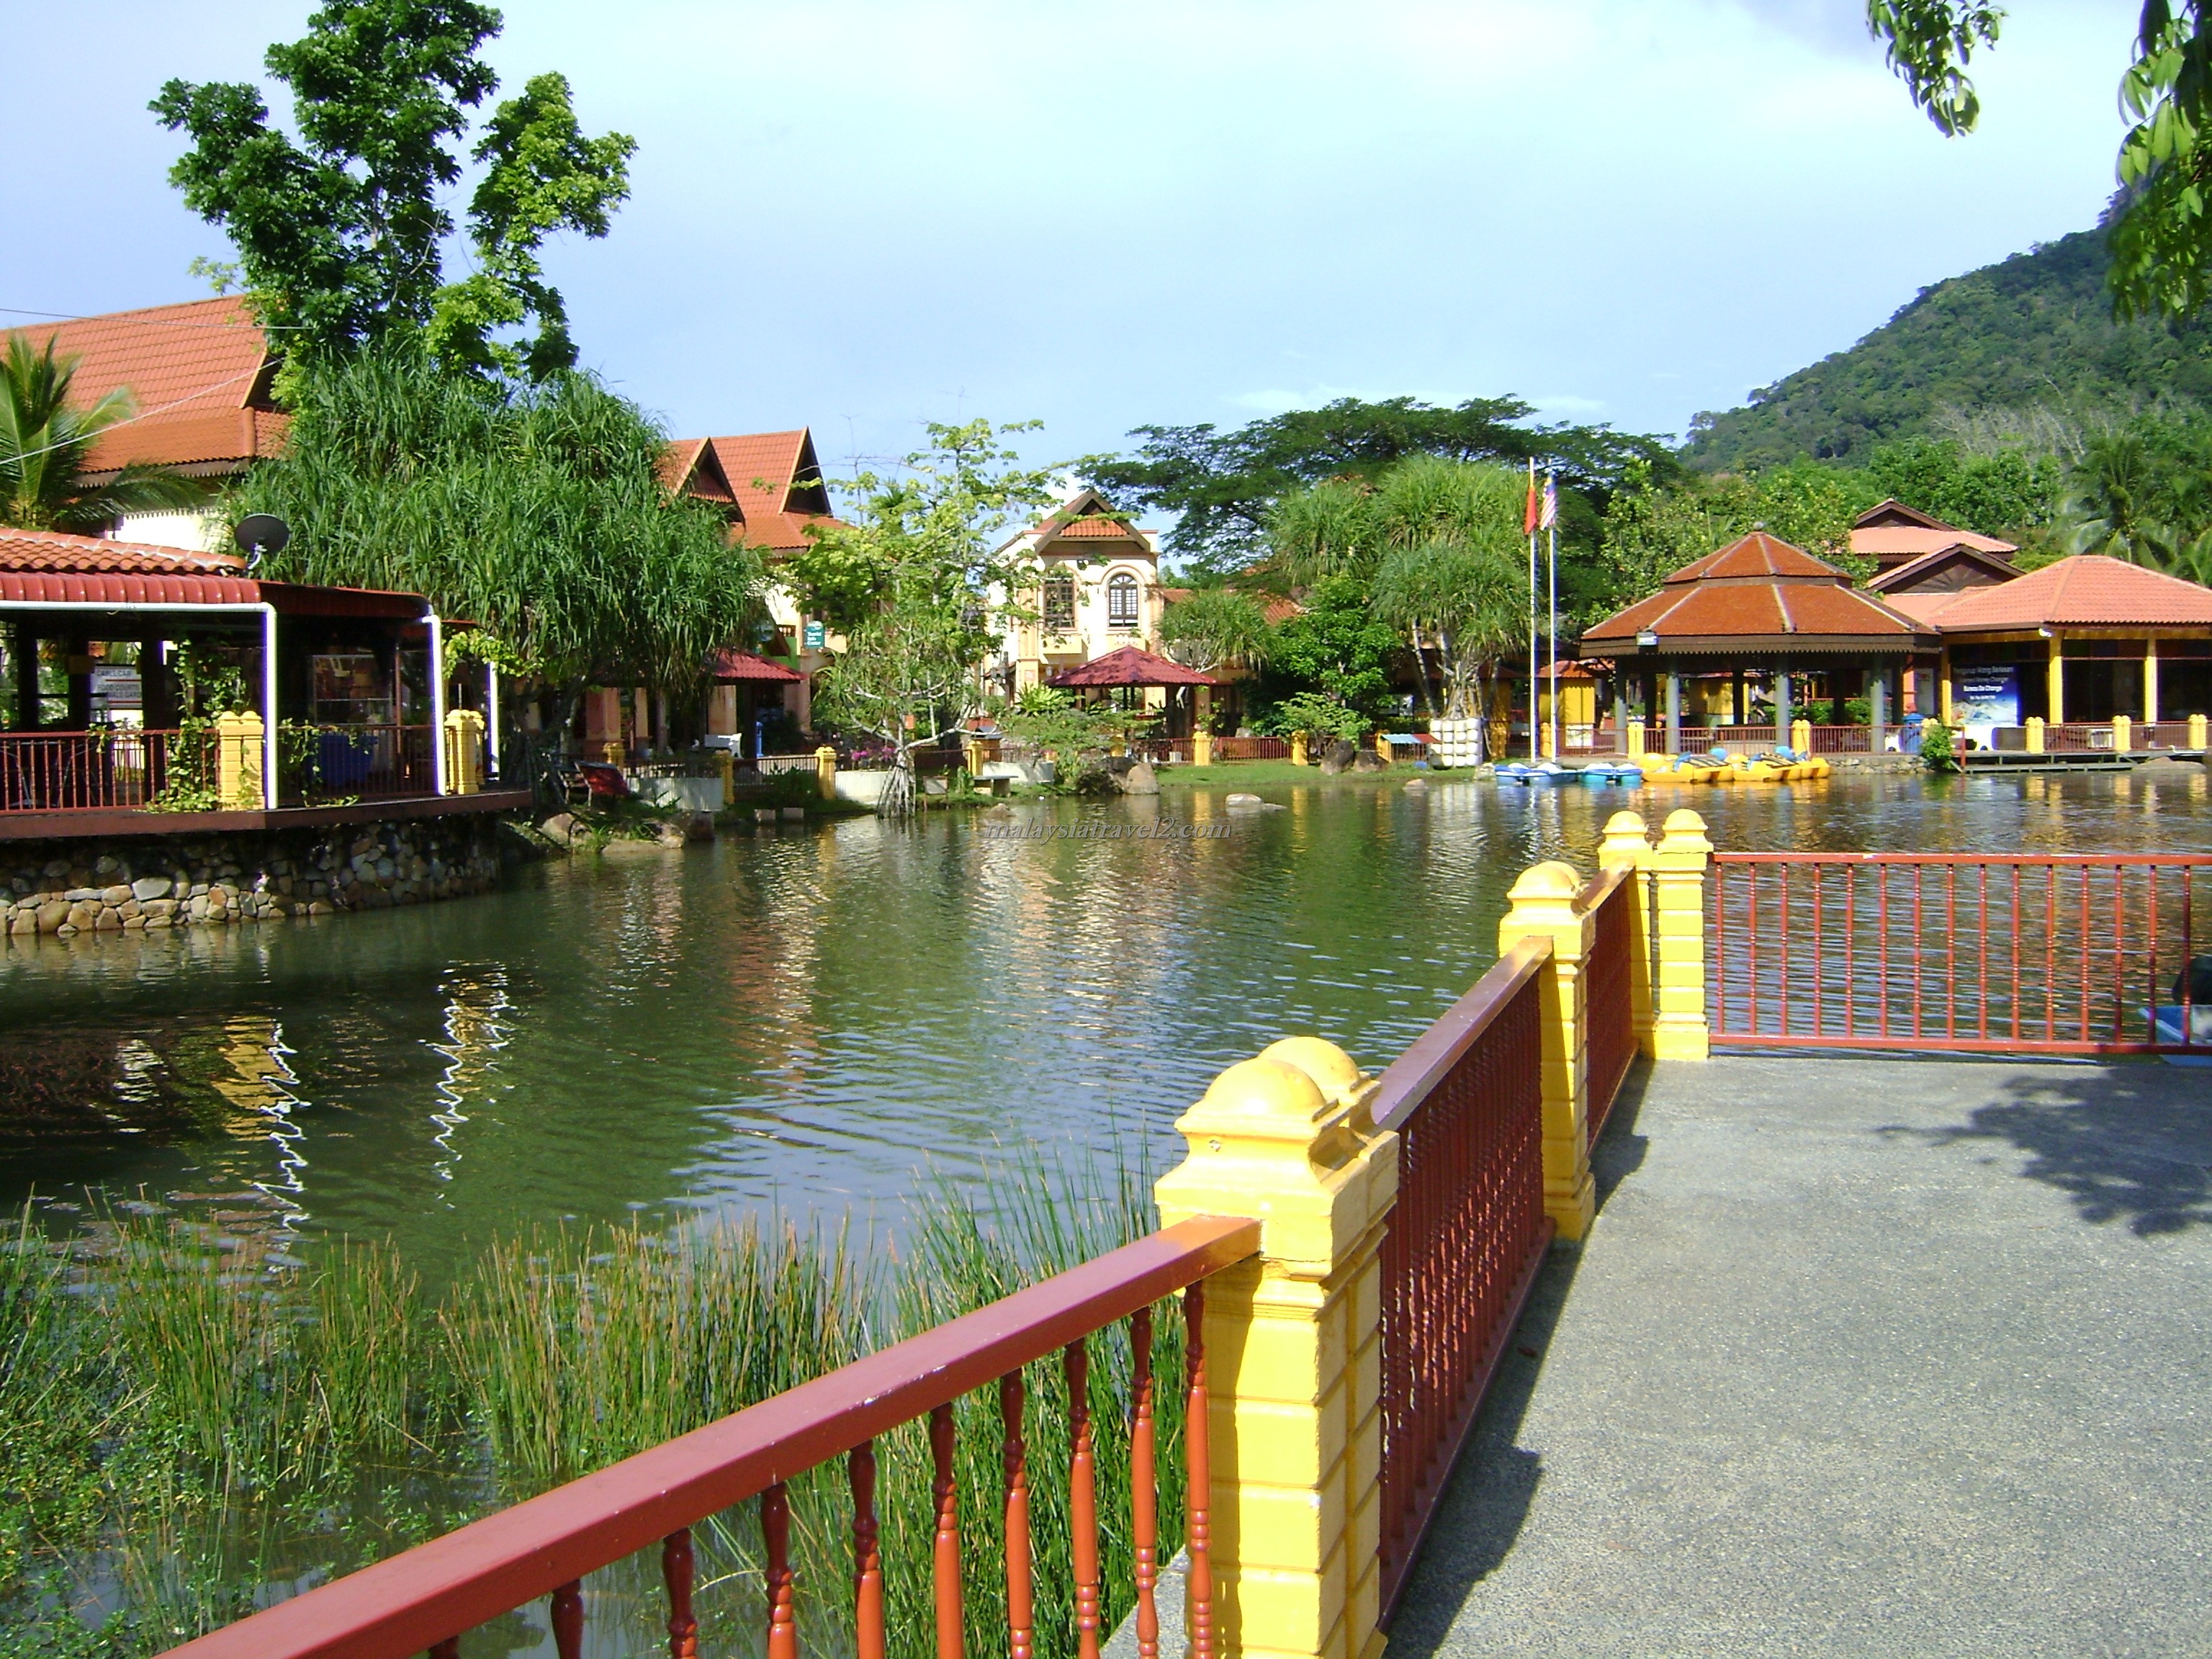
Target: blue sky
column 859, row 217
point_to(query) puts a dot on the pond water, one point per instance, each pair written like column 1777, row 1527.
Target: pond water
column 828, row 1018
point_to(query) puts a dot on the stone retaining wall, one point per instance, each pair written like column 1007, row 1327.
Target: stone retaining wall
column 145, row 882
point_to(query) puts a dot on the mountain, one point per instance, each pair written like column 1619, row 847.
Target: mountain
column 2036, row 329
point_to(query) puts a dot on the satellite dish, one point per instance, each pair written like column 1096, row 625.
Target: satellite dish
column 261, row 532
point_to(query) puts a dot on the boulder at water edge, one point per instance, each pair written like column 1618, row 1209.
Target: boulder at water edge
column 1141, row 780
column 1340, row 755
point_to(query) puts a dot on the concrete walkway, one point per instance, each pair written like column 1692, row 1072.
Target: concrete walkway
column 1862, row 1356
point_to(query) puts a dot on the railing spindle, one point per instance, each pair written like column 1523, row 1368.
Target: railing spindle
column 1082, row 1499
column 1144, row 1487
column 677, row 1570
column 867, row 1555
column 1199, row 1539
column 1021, row 1612
column 569, row 1621
column 945, row 1564
column 775, row 1535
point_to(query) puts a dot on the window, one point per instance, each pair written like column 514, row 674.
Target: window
column 1122, row 601
column 1059, row 602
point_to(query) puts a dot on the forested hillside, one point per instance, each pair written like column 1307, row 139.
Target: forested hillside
column 2034, row 331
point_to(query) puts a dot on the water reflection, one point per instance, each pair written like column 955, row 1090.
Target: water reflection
column 808, row 1016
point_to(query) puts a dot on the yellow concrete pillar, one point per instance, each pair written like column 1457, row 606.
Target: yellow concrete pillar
column 1382, row 746
column 1678, row 1028
column 238, row 757
column 1299, row 749
column 1293, row 1349
column 1636, row 740
column 465, row 729
column 825, row 770
column 1945, row 692
column 1626, row 843
column 2033, row 740
column 1542, row 904
column 1201, row 749
column 2198, row 734
column 729, row 766
column 2056, row 675
column 2123, row 734
column 1119, row 746
column 1801, row 736
column 2150, row 681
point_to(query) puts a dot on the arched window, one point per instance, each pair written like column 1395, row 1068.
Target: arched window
column 1059, row 602
column 1121, row 600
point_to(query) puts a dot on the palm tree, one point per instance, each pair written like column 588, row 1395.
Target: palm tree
column 44, row 443
column 2113, row 507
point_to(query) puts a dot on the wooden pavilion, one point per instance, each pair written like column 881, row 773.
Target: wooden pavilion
column 1759, row 616
column 1132, row 669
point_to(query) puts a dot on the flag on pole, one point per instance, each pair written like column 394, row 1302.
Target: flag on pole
column 1550, row 514
column 1531, row 515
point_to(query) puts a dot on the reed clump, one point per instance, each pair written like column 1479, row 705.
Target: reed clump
column 188, row 1422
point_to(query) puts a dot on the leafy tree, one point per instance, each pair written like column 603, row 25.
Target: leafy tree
column 1217, row 625
column 535, row 511
column 46, row 439
column 2160, row 232
column 1335, row 645
column 2011, row 490
column 340, row 234
column 1652, row 532
column 1224, row 486
column 909, row 582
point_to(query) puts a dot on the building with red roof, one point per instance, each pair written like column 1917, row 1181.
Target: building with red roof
column 1093, row 587
column 2077, row 642
column 1759, row 609
column 1893, row 534
column 102, row 637
column 199, row 374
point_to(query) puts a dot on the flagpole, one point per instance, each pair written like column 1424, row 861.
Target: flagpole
column 1533, row 748
column 1552, row 532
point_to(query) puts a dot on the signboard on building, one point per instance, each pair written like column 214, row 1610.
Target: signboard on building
column 116, row 695
column 817, row 635
column 1983, row 699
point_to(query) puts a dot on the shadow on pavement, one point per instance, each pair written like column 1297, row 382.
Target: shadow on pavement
column 1494, row 1487
column 2129, row 1142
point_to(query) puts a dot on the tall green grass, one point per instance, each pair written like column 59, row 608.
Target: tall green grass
column 197, row 1423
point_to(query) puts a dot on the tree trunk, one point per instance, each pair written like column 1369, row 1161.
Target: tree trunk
column 898, row 800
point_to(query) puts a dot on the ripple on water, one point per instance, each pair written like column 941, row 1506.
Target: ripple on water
column 812, row 1017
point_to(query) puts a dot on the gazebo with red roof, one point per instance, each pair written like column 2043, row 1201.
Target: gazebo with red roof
column 1762, row 605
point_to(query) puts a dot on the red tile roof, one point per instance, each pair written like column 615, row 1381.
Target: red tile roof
column 1755, row 555
column 57, row 550
column 49, row 567
column 2087, row 591
column 688, row 466
column 1900, row 577
column 197, row 371
column 1761, row 589
column 743, row 666
column 778, row 484
column 1113, row 529
column 1131, row 665
column 1895, row 544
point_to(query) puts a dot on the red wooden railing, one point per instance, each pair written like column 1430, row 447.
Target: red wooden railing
column 119, row 768
column 368, row 761
column 426, row 1598
column 1244, row 749
column 2165, row 734
column 1615, row 896
column 2004, row 953
column 2077, row 738
column 1462, row 1246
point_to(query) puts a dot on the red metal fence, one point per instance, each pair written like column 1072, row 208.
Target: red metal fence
column 1616, row 896
column 424, row 1599
column 320, row 761
column 2079, row 953
column 123, row 768
column 1466, row 1237
column 1244, row 749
